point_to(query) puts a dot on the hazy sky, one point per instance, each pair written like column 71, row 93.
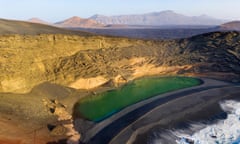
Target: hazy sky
column 56, row 10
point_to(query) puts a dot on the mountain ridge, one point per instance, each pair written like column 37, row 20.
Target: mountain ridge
column 29, row 28
column 167, row 17
column 161, row 18
column 76, row 21
column 38, row 20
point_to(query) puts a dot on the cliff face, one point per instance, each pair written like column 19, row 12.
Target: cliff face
column 26, row 61
column 29, row 60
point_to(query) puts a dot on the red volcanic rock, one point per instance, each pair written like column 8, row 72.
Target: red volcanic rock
column 37, row 20
column 75, row 22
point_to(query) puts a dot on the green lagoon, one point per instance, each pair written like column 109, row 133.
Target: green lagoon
column 100, row 106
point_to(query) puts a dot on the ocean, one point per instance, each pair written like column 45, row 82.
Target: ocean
column 225, row 131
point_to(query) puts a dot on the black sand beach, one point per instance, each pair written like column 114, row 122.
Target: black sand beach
column 133, row 122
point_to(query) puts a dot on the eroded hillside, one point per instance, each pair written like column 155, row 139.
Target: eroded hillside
column 86, row 62
column 30, row 60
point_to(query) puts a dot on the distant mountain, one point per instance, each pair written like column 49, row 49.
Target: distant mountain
column 37, row 20
column 157, row 19
column 234, row 25
column 22, row 27
column 75, row 21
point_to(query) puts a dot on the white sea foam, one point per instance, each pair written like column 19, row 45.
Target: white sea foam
column 225, row 131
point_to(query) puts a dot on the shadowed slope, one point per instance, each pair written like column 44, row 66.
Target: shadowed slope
column 234, row 25
column 21, row 27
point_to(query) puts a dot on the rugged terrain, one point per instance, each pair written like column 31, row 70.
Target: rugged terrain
column 71, row 60
column 43, row 75
column 162, row 18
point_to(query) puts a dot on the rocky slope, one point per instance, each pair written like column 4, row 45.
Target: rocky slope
column 30, row 60
column 70, row 60
column 43, row 75
column 27, row 28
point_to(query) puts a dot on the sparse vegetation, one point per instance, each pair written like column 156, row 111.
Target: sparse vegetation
column 27, row 61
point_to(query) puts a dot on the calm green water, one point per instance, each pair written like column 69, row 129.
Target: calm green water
column 103, row 105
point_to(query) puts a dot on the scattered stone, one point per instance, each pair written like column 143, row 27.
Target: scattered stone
column 59, row 130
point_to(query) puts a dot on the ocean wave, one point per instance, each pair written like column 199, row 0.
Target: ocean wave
column 217, row 131
column 225, row 131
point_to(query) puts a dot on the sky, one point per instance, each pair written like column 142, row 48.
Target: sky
column 58, row 10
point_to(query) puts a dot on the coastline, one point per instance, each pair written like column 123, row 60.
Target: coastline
column 102, row 131
column 187, row 109
column 65, row 98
